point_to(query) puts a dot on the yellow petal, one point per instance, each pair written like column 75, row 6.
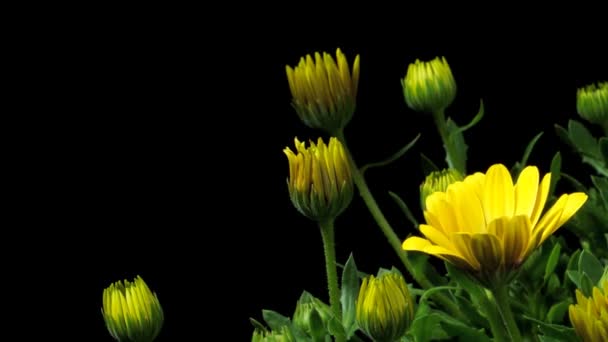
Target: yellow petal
column 526, row 190
column 541, row 199
column 415, row 243
column 462, row 245
column 498, row 196
column 487, row 249
column 443, row 212
column 573, row 202
column 515, row 234
column 436, row 236
column 467, row 208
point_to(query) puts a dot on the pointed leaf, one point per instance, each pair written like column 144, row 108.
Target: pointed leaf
column 589, row 265
column 406, row 211
column 257, row 325
column 555, row 169
column 317, row 328
column 582, row 138
column 552, row 261
column 556, row 331
column 349, row 292
column 427, row 165
column 458, row 157
column 558, row 311
column 604, row 149
column 466, row 282
column 527, row 151
column 392, row 158
column 275, row 320
column 475, row 119
column 601, row 184
column 578, row 186
column 562, row 133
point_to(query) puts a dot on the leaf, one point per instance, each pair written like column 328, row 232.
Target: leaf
column 589, row 265
column 457, row 158
column 348, row 296
column 582, row 138
column 555, row 331
column 578, row 186
column 317, row 327
column 603, row 143
column 598, row 165
column 519, row 166
column 601, row 184
column 427, row 165
column 552, row 261
column 275, row 320
column 555, row 169
column 558, row 311
column 471, row 312
column 465, row 282
column 575, row 277
column 257, row 325
column 475, row 119
column 392, row 158
column 562, row 133
column 425, row 326
column 461, row 331
column 421, row 265
column 406, row 211
column 553, row 284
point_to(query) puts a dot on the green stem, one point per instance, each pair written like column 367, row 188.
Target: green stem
column 499, row 330
column 448, row 145
column 327, row 232
column 501, row 297
column 390, row 235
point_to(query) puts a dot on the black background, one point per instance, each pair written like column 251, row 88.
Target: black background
column 170, row 164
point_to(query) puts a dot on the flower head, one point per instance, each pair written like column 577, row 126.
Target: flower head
column 131, row 311
column 592, row 103
column 282, row 335
column 429, row 86
column 324, row 90
column 437, row 181
column 320, row 183
column 589, row 316
column 384, row 307
column 486, row 225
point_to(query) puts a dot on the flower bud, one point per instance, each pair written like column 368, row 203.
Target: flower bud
column 437, row 181
column 592, row 103
column 429, row 86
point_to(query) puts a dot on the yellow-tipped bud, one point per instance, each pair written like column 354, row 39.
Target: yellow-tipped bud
column 132, row 312
column 592, row 103
column 324, row 90
column 429, row 86
column 384, row 307
column 320, row 183
column 283, row 335
column 589, row 316
column 437, row 181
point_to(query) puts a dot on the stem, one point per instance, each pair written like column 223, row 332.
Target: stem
column 499, row 330
column 327, row 232
column 501, row 297
column 451, row 155
column 390, row 235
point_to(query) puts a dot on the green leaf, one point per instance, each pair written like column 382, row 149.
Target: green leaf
column 573, row 262
column 586, row 285
column 462, row 332
column 552, row 261
column 563, row 135
column 317, row 328
column 575, row 277
column 425, row 326
column 421, row 265
column 472, row 313
column 601, row 184
column 578, row 186
column 404, row 208
column 257, row 325
column 583, row 139
column 427, row 165
column 603, row 143
column 555, row 331
column 589, row 265
column 598, row 165
column 392, row 158
column 349, row 292
column 555, row 169
column 524, row 160
column 558, row 311
column 460, row 277
column 553, row 284
column 458, row 159
column 475, row 119
column 335, row 328
column 275, row 320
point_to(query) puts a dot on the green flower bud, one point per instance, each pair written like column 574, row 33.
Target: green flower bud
column 307, row 318
column 429, row 86
column 324, row 91
column 320, row 182
column 385, row 308
column 592, row 103
column 132, row 312
column 283, row 335
column 437, row 181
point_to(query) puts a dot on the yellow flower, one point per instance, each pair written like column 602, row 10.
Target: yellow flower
column 131, row 311
column 320, row 183
column 486, row 224
column 437, row 181
column 429, row 86
column 589, row 316
column 324, row 91
column 592, row 103
column 384, row 307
